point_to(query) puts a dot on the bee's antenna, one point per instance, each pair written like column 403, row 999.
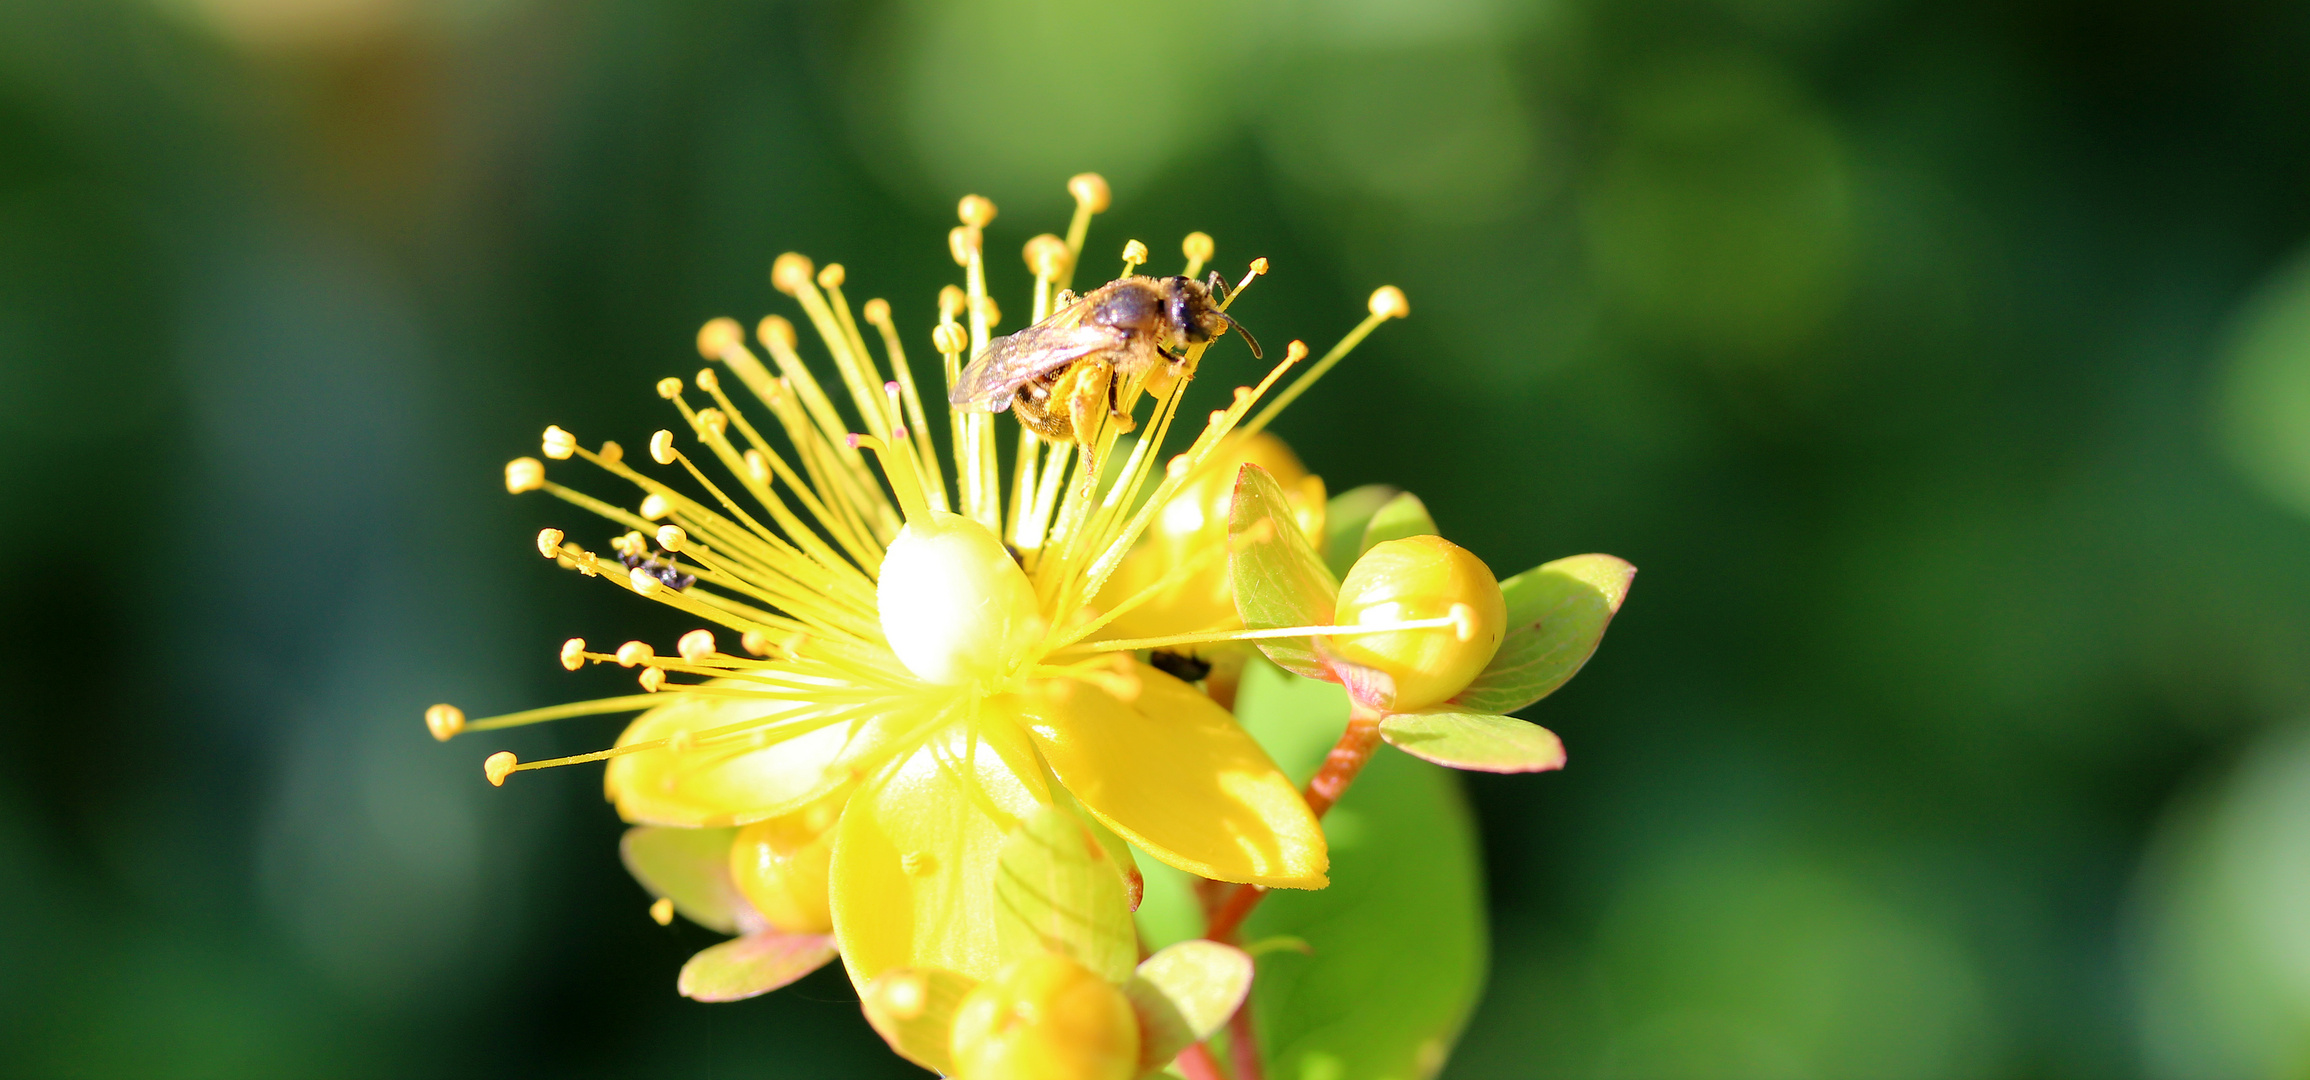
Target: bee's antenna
column 1247, row 338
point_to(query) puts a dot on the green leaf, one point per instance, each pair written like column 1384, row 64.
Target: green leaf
column 691, row 867
column 758, row 963
column 1398, row 940
column 1344, row 520
column 913, row 1010
column 1405, row 515
column 1484, row 742
column 1278, row 579
column 1057, row 890
column 1557, row 613
column 1184, row 994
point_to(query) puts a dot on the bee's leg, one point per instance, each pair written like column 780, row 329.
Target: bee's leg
column 1093, row 382
column 1123, row 421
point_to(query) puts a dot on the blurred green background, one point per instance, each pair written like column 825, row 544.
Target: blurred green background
column 1945, row 367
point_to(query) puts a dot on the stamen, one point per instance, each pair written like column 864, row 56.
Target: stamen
column 662, row 447
column 1091, row 197
column 662, row 911
column 1134, row 253
column 634, row 652
column 524, row 474
column 612, row 452
column 672, row 539
column 498, row 765
column 558, row 444
column 444, row 721
column 1198, row 248
column 755, row 642
column 696, row 645
column 549, row 543
column 652, row 679
column 597, row 707
column 1387, row 303
column 1456, row 619
column 573, row 654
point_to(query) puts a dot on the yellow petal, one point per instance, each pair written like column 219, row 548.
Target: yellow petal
column 1172, row 773
column 914, row 857
column 721, row 783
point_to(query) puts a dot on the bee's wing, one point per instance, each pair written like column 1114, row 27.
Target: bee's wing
column 990, row 381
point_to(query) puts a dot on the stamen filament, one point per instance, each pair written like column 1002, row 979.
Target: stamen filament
column 1299, row 386
column 596, row 707
column 1352, row 629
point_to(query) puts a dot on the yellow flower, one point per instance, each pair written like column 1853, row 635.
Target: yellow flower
column 931, row 653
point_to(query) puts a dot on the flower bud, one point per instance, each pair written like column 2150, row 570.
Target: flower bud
column 1045, row 1017
column 954, row 605
column 781, row 867
column 1422, row 577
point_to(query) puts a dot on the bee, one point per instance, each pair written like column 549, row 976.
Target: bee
column 1061, row 375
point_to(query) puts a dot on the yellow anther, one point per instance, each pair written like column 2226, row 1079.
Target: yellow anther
column 755, row 642
column 669, row 388
column 1198, row 246
column 713, row 420
column 643, row 581
column 635, row 652
column 549, row 543
column 950, row 338
column 976, row 211
column 696, row 645
column 1295, row 352
column 708, row 381
column 630, row 543
column 951, row 300
column 758, row 466
column 573, row 654
column 831, row 276
column 662, row 911
column 655, row 506
column 790, row 273
column 1047, row 256
column 961, row 243
column 653, row 679
column 613, row 453
column 775, row 333
column 1388, row 302
column 524, row 474
column 498, row 766
column 672, row 537
column 1090, row 189
column 1134, row 252
column 662, row 447
column 558, row 444
column 444, row 721
column 1259, row 266
column 718, row 336
column 876, row 312
column 988, row 308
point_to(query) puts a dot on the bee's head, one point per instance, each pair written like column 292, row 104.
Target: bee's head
column 1187, row 306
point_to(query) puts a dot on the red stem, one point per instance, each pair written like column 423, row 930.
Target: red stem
column 1243, row 1044
column 1198, row 1063
column 1340, row 768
